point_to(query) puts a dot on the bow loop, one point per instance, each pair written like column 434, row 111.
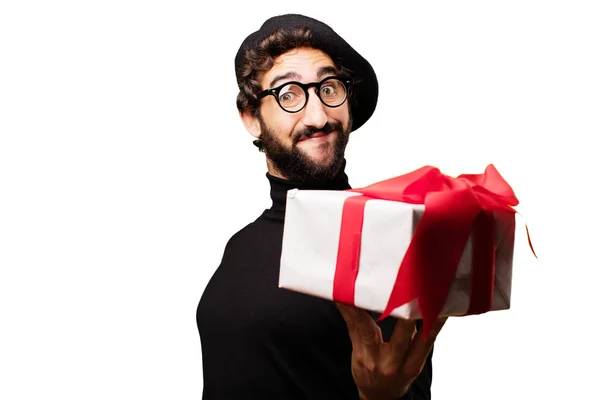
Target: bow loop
column 491, row 186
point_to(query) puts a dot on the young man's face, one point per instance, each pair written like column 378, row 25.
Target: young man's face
column 308, row 144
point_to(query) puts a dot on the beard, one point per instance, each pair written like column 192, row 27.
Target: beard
column 297, row 166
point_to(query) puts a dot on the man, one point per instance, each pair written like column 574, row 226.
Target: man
column 303, row 89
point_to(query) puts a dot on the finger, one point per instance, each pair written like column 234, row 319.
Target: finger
column 363, row 330
column 404, row 332
column 421, row 347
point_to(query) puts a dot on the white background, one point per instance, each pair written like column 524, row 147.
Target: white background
column 124, row 169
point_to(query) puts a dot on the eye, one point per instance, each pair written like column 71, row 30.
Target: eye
column 288, row 97
column 328, row 90
column 332, row 89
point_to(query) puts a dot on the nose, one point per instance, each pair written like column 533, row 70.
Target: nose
column 314, row 112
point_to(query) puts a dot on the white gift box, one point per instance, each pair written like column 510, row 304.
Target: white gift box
column 310, row 247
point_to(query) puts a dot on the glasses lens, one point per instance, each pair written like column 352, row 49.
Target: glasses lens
column 333, row 92
column 292, row 97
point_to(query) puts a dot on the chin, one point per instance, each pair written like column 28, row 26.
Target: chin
column 320, row 155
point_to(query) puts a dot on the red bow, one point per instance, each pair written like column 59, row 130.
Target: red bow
column 454, row 209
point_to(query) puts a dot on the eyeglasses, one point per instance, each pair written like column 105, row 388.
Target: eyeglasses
column 293, row 96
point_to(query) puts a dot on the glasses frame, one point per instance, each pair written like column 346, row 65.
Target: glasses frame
column 347, row 82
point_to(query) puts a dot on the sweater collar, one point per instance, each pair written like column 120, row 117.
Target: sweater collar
column 280, row 187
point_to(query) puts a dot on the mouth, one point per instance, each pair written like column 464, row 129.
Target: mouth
column 318, row 136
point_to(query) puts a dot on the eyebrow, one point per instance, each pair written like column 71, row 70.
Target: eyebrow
column 289, row 75
column 327, row 70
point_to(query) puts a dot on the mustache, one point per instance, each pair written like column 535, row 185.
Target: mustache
column 326, row 129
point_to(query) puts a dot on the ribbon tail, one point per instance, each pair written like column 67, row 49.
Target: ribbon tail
column 404, row 289
column 529, row 241
column 430, row 263
column 528, row 236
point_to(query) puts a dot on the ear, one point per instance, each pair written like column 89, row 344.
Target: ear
column 251, row 123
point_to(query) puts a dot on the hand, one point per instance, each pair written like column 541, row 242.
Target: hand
column 385, row 370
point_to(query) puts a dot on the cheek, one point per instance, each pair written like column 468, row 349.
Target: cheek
column 341, row 114
column 285, row 125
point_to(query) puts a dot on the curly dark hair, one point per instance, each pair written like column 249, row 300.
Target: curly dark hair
column 260, row 59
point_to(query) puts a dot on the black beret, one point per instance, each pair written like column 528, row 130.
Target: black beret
column 365, row 90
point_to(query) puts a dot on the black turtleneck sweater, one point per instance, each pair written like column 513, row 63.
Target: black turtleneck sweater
column 262, row 342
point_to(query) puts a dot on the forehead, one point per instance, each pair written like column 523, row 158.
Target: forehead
column 304, row 64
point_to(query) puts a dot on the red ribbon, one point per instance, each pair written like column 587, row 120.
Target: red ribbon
column 455, row 208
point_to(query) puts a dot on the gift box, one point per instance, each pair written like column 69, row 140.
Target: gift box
column 417, row 246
